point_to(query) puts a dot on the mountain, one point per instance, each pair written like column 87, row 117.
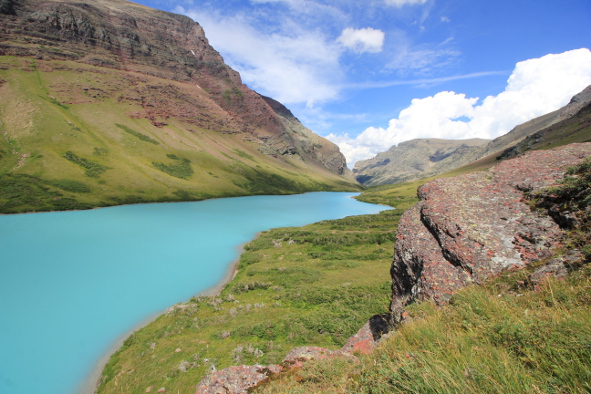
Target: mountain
column 418, row 159
column 106, row 102
column 544, row 122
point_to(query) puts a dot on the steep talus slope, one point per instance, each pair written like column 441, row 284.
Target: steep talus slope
column 416, row 159
column 468, row 228
column 138, row 95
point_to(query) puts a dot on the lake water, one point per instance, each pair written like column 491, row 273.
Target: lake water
column 71, row 283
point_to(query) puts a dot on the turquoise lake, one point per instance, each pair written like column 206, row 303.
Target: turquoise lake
column 72, row 283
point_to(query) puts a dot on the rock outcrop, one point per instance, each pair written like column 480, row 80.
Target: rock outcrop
column 241, row 379
column 471, row 227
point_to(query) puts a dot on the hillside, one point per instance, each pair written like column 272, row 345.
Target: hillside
column 416, row 159
column 424, row 158
column 108, row 102
column 490, row 282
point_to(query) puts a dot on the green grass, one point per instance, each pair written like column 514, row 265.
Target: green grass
column 311, row 285
column 506, row 336
column 137, row 134
column 489, row 339
column 482, row 342
column 45, row 114
column 25, row 193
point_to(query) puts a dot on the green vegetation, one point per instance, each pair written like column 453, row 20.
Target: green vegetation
column 100, row 151
column 312, row 285
column 234, row 92
column 183, row 170
column 25, row 193
column 265, row 182
column 496, row 338
column 47, row 113
column 92, row 169
column 137, row 134
column 244, row 155
column 506, row 336
column 572, row 195
column 70, row 185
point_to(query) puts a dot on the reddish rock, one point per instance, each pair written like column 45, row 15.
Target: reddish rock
column 468, row 228
column 236, row 380
column 368, row 336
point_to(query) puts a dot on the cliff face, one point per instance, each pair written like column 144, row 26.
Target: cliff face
column 95, row 64
column 468, row 228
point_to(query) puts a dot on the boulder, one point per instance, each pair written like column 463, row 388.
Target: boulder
column 468, row 228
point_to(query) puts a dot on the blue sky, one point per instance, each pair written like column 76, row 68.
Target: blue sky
column 368, row 74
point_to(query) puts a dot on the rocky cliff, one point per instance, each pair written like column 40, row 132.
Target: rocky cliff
column 139, row 84
column 471, row 227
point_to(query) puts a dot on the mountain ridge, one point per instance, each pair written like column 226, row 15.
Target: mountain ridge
column 115, row 75
column 411, row 163
column 414, row 159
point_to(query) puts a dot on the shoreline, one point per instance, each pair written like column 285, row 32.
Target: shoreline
column 178, row 201
column 90, row 384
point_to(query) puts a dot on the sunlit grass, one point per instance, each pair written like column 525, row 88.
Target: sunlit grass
column 312, row 285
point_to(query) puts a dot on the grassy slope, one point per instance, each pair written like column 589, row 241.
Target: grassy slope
column 498, row 338
column 301, row 297
column 503, row 337
column 50, row 108
column 314, row 285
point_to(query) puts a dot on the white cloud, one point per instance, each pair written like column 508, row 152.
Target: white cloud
column 536, row 87
column 292, row 65
column 362, row 40
column 401, row 3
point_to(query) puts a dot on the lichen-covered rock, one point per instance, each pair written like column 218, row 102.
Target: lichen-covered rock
column 468, row 228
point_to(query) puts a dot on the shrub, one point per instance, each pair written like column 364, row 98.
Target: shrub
column 137, row 134
column 92, row 169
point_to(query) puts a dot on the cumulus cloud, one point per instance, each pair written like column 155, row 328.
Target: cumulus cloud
column 536, row 87
column 292, row 65
column 362, row 40
column 400, row 3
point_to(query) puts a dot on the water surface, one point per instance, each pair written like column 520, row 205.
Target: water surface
column 71, row 283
